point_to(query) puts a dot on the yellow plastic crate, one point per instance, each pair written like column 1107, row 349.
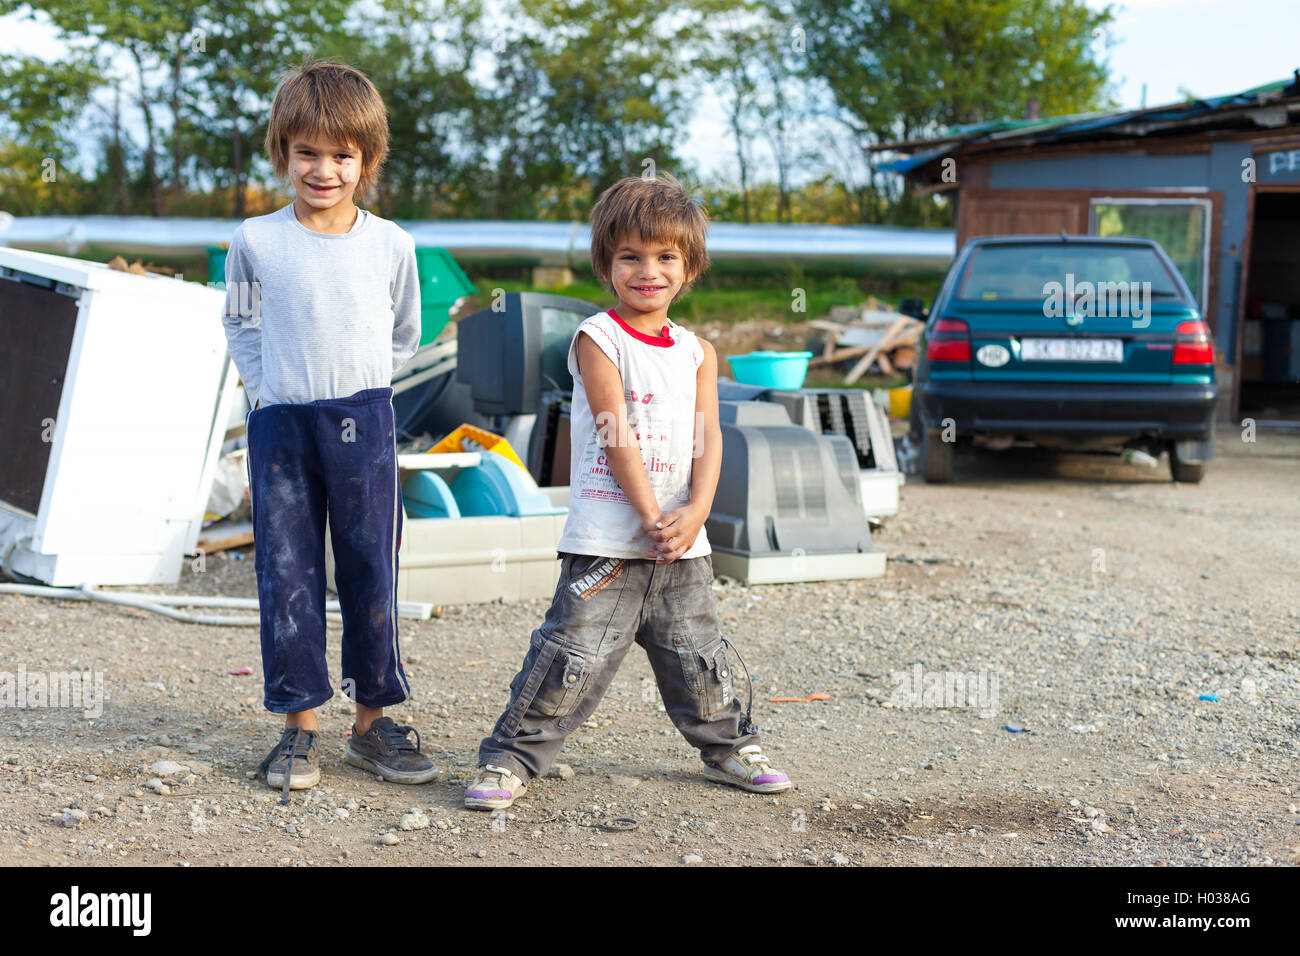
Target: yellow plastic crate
column 470, row 438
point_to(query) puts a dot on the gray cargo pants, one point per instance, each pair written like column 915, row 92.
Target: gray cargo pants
column 601, row 606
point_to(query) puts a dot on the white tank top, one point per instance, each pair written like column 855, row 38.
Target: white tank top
column 659, row 388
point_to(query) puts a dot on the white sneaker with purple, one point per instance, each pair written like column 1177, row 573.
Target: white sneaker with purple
column 750, row 770
column 495, row 788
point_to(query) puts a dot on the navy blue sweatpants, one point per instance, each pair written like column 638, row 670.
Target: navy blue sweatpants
column 334, row 457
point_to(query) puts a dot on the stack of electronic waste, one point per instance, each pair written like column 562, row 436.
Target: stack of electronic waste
column 475, row 528
column 847, row 412
column 788, row 505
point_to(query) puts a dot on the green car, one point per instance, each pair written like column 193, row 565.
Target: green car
column 1078, row 343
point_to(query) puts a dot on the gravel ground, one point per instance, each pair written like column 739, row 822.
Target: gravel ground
column 1103, row 599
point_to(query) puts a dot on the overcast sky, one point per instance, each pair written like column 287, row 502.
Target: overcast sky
column 1208, row 47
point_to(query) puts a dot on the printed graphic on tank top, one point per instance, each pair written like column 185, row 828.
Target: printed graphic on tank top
column 659, row 391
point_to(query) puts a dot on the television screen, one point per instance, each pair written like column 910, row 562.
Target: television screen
column 510, row 355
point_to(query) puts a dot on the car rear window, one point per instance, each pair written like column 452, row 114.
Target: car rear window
column 1021, row 271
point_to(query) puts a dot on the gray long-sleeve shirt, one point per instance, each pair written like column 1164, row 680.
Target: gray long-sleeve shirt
column 312, row 315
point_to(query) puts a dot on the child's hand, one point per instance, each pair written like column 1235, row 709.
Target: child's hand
column 676, row 532
column 650, row 525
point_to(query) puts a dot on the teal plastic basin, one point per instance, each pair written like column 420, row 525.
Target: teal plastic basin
column 771, row 369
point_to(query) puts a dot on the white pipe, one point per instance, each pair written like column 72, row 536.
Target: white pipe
column 410, row 610
column 909, row 250
column 143, row 602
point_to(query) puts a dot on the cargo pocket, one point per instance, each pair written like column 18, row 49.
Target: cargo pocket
column 550, row 683
column 562, row 686
column 707, row 675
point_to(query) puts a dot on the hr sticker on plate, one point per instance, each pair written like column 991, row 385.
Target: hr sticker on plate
column 993, row 356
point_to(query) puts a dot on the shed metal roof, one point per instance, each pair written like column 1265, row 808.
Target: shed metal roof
column 1270, row 105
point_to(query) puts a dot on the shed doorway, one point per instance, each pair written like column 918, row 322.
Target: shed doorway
column 1270, row 341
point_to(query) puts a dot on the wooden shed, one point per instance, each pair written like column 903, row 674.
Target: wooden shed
column 1216, row 182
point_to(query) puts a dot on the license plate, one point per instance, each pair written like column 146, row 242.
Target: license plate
column 1072, row 350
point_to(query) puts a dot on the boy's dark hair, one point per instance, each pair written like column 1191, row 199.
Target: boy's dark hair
column 658, row 210
column 330, row 99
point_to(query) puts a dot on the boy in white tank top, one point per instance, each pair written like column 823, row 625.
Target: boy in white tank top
column 647, row 451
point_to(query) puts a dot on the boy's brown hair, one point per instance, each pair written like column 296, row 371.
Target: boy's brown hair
column 658, row 210
column 330, row 99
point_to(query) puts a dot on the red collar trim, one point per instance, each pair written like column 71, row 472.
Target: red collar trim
column 663, row 339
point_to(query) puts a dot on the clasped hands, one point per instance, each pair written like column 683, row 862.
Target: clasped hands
column 673, row 532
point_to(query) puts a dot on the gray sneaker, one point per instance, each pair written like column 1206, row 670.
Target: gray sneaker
column 298, row 749
column 386, row 749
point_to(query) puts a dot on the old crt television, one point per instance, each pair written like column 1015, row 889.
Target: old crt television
column 509, row 356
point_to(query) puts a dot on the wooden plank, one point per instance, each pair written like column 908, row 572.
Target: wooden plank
column 907, row 337
column 223, row 538
column 865, row 362
column 826, row 325
column 839, row 355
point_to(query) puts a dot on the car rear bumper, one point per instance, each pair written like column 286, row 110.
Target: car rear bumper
column 1180, row 412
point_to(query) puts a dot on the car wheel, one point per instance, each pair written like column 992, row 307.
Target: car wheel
column 1189, row 472
column 936, row 457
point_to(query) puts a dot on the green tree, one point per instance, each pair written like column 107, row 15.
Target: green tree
column 732, row 41
column 749, row 54
column 40, row 103
column 247, row 46
column 900, row 69
column 512, row 159
column 150, row 33
column 417, row 54
column 612, row 85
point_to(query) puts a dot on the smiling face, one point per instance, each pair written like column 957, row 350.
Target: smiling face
column 647, row 276
column 323, row 173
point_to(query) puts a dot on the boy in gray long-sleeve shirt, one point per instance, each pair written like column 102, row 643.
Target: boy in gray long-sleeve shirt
column 322, row 307
column 340, row 312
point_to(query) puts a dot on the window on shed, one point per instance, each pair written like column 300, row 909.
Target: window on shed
column 1181, row 226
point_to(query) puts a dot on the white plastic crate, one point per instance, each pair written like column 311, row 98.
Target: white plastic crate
column 473, row 560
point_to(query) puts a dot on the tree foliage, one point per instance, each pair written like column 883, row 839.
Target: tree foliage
column 527, row 109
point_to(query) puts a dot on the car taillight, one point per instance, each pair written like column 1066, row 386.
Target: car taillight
column 949, row 341
column 1193, row 346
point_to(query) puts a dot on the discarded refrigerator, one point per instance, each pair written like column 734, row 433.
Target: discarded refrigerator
column 115, row 390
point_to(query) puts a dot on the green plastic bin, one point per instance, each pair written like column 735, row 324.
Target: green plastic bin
column 442, row 282
column 217, row 265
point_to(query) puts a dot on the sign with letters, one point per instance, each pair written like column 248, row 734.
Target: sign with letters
column 1279, row 166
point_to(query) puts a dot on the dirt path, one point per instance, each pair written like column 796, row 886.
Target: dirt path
column 1104, row 600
